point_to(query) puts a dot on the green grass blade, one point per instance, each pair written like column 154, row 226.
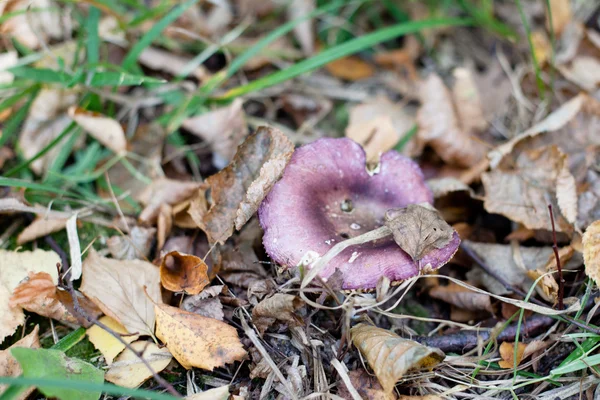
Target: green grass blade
column 536, row 64
column 42, row 75
column 93, row 40
column 130, row 60
column 19, row 183
column 342, row 50
column 70, row 340
column 14, row 122
column 114, row 78
column 107, row 388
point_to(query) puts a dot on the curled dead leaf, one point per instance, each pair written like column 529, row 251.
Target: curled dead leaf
column 197, row 341
column 391, row 356
column 238, row 190
column 280, row 307
column 418, row 229
column 183, row 273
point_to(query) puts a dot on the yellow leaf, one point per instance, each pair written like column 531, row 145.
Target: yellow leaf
column 507, row 352
column 220, row 393
column 391, row 356
column 591, row 251
column 108, row 345
column 197, row 341
column 129, row 371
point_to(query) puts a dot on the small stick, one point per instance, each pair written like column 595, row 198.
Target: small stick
column 561, row 281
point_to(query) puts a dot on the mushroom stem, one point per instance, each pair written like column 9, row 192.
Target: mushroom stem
column 321, row 262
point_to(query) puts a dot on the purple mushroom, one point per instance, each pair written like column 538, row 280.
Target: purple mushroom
column 326, row 195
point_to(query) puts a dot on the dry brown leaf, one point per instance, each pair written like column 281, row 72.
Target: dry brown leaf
column 105, row 342
column 41, row 226
column 462, row 297
column 521, row 189
column 85, row 304
column 584, row 71
column 467, row 101
column 15, row 267
column 378, row 125
column 350, row 68
column 164, row 191
column 197, row 341
column 223, row 129
column 591, row 251
column 440, row 125
column 209, row 308
column 183, row 273
column 102, row 128
column 33, row 29
column 9, row 365
column 37, row 294
column 280, row 307
column 129, row 371
column 418, row 229
column 164, row 224
column 125, row 290
column 391, row 356
column 136, row 245
column 367, row 386
column 507, row 352
column 238, row 190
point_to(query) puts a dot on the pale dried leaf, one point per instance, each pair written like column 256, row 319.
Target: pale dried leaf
column 41, row 226
column 105, row 342
column 197, row 341
column 220, row 393
column 229, row 187
column 137, row 244
column 223, row 129
column 33, row 28
column 591, row 251
column 303, row 30
column 467, row 100
column 74, row 248
column 102, row 128
column 441, row 127
column 164, row 191
column 584, row 71
column 367, row 386
column 280, row 307
column 418, row 230
column 183, row 273
column 561, row 15
column 566, row 194
column 125, row 290
column 7, row 60
column 9, row 365
column 129, row 371
column 167, row 61
column 14, row 268
column 462, row 297
column 37, row 294
column 521, row 189
column 443, row 186
column 391, row 356
column 210, row 308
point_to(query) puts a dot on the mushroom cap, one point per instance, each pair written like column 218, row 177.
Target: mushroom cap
column 326, row 196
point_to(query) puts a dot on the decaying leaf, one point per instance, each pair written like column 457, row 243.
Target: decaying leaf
column 33, row 29
column 391, row 356
column 367, row 386
column 462, row 297
column 467, row 101
column 220, row 393
column 41, row 226
column 591, row 251
column 10, row 367
column 298, row 9
column 441, row 126
column 197, row 341
column 125, row 290
column 37, row 294
column 102, row 128
column 583, row 71
column 521, row 189
column 129, row 371
column 223, row 129
column 351, row 68
column 183, row 273
column 507, row 352
column 164, row 191
column 174, row 64
column 105, row 342
column 136, row 245
column 238, row 190
column 14, row 268
column 378, row 125
column 280, row 307
column 418, row 229
column 207, row 307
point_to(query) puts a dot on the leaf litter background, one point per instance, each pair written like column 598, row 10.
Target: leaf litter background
column 131, row 251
